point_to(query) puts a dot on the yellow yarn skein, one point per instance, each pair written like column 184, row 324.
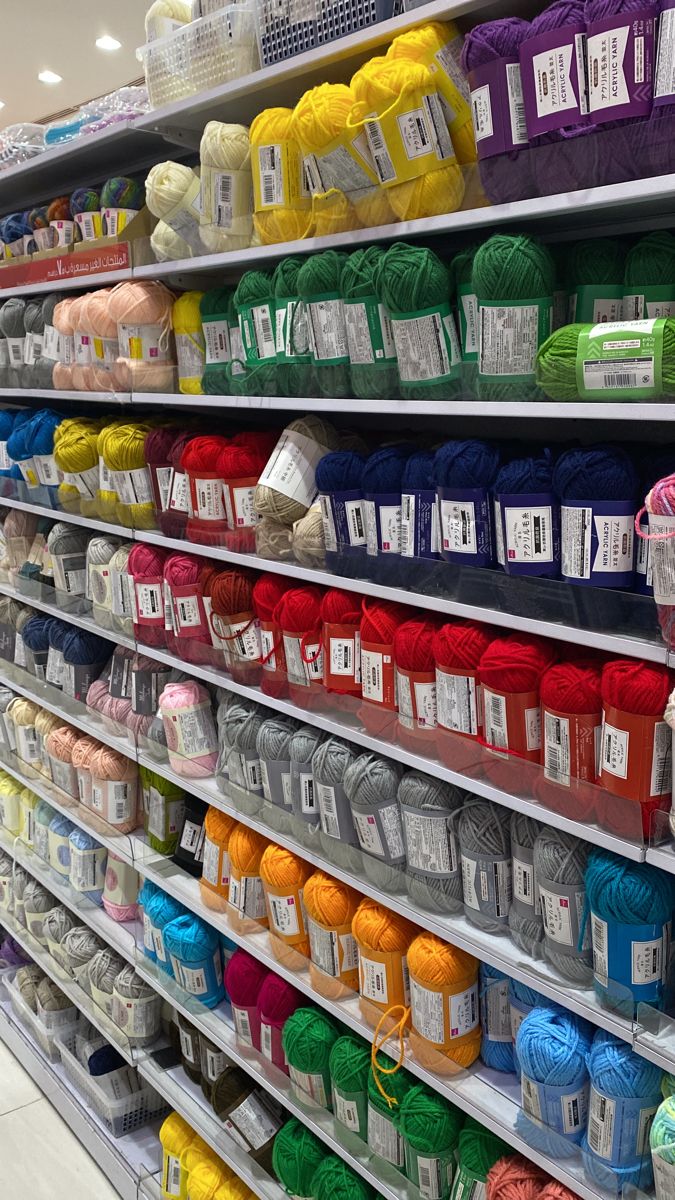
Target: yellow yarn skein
column 175, row 1136
column 319, row 117
column 106, row 495
column 190, row 345
column 76, row 454
column 438, row 46
column 206, row 1178
column 294, row 219
column 380, row 85
column 167, row 245
column 124, row 454
column 10, row 805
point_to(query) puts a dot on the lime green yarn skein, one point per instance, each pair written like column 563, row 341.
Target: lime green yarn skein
column 377, row 379
column 334, row 1180
column 295, row 374
column 255, row 291
column 296, row 1155
column 594, row 273
column 430, row 1127
column 163, row 806
column 411, row 280
column 307, row 1038
column 213, row 307
column 349, row 1066
column 557, row 363
column 319, row 286
column 511, row 270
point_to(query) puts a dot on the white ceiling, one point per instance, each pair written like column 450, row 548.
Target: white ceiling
column 60, row 35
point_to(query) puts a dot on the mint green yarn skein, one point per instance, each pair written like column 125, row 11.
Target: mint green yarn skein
column 376, row 380
column 260, row 378
column 319, row 277
column 511, row 269
column 410, row 279
column 293, row 378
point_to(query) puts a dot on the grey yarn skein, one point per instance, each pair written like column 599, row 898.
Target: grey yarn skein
column 36, row 898
column 129, row 986
column 244, row 749
column 562, row 858
column 66, row 539
column 34, row 322
column 100, row 550
column 273, row 744
column 526, row 931
column 51, row 998
column 368, row 781
column 43, row 369
column 303, row 745
column 330, row 762
column 483, row 830
column 20, row 881
column 104, row 968
column 419, row 790
column 229, row 713
column 12, row 326
column 57, row 923
column 79, row 946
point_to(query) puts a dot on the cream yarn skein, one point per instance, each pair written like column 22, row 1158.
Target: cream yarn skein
column 225, row 151
column 172, row 193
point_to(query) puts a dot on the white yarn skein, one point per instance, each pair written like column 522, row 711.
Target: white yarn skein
column 163, row 15
column 172, row 194
column 167, row 245
column 226, row 150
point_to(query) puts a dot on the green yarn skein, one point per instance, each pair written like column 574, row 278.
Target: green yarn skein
column 478, row 1149
column 215, row 380
column 259, row 379
column 408, row 280
column 461, row 269
column 376, row 380
column 171, row 794
column 349, row 1066
column 595, row 263
column 318, row 277
column 557, row 363
column 396, row 1086
column 296, row 1155
column 334, row 1180
column 308, row 1037
column 650, row 263
column 511, row 269
column 293, row 378
column 430, row 1126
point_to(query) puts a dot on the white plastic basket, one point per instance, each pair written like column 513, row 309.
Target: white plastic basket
column 201, row 55
column 44, row 1026
column 119, row 1116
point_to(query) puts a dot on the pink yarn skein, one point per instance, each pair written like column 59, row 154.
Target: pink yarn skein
column 146, row 564
column 190, row 730
column 120, row 891
column 515, row 1178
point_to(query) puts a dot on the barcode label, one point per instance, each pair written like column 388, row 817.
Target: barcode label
column 599, row 938
column 516, row 104
column 496, row 731
column 386, row 171
column 557, row 749
column 407, row 519
column 271, row 175
column 603, row 374
column 357, row 529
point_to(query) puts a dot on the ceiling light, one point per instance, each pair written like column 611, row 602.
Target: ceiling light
column 49, row 77
column 108, row 43
column 2, row 104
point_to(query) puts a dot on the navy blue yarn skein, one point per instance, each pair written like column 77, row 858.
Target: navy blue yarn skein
column 533, row 475
column 104, row 1060
column 383, row 476
column 418, row 568
column 601, row 472
column 84, row 656
column 470, row 463
column 14, row 226
column 342, row 471
column 35, row 632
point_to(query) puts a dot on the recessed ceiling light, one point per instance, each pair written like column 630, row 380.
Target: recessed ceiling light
column 50, row 77
column 108, row 43
column 2, row 104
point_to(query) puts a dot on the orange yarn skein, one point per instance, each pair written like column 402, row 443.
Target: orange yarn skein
column 330, row 907
column 284, row 876
column 445, row 971
column 247, row 911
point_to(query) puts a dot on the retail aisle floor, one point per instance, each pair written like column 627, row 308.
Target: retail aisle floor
column 40, row 1156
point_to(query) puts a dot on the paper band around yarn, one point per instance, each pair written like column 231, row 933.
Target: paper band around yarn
column 510, row 336
column 635, row 757
column 620, row 57
column 427, row 346
column 498, row 107
column 442, row 1014
column 286, row 913
column 408, row 139
column 420, row 526
column 624, row 357
column 553, row 76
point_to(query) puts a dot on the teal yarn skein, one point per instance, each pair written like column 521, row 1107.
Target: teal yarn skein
column 618, row 1074
column 623, row 893
column 377, row 380
column 511, row 270
column 194, row 949
column 319, row 278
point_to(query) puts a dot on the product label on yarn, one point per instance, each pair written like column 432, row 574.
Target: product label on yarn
column 64, row 776
column 334, row 951
column 164, row 816
column 410, row 138
column 206, row 494
column 350, row 1109
column 239, row 633
column 32, row 349
column 189, row 1045
column 664, row 74
column 596, row 304
column 563, row 1109
column 467, row 1186
column 380, row 832
column 597, row 542
column 137, row 1018
column 369, row 332
column 416, row 698
column 285, row 909
column 19, row 651
column 213, row 1061
column 384, row 979
column 334, row 812
column 635, row 756
column 623, row 357
column 5, row 460
column 87, row 868
column 239, row 498
column 276, row 781
column 70, row 573
column 40, row 846
column 86, row 482
column 420, row 532
column 192, row 840
column 378, row 675
column 304, row 658
column 292, row 332
column 54, row 668
column 570, row 744
column 189, row 617
column 553, row 73
column 487, row 884
column 119, row 684
column 457, row 701
column 149, row 597
column 172, row 1175
column 496, row 1017
column 498, row 107
column 253, row 1121
column 512, row 721
column 510, row 335
column 147, row 685
column 344, row 164
column 114, row 220
column 430, row 842
column 89, row 224
column 427, row 346
column 15, row 348
column 185, row 217
column 562, row 907
column 84, row 351
column 133, row 487
column 342, row 657
column 432, row 1174
column 382, row 512
column 190, row 730
column 531, row 532
column 144, row 343
column 114, row 800
column 198, row 979
column 98, row 586
column 191, row 355
column 27, row 468
column 467, row 311
column 620, row 65
column 633, row 956
column 46, row 470
column 618, row 1127
column 216, row 865
column 77, row 679
column 328, row 329
column 36, row 661
column 308, row 1084
column 217, row 340
column 258, row 331
column 525, row 891
column 51, row 344
column 384, row 1138
column 441, row 1015
column 277, row 176
column 246, row 894
column 26, row 743
column 302, row 793
column 226, row 199
column 291, row 467
column 655, row 301
column 656, row 561
column 466, row 526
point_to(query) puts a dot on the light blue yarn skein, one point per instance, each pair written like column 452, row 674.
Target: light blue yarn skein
column 59, row 860
column 195, row 946
column 79, row 840
column 522, row 999
column 552, row 1048
column 144, row 897
column 493, row 1003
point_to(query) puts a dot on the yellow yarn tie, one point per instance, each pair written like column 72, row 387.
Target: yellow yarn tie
column 397, row 1030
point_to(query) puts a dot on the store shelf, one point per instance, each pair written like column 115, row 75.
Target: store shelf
column 55, row 514
column 58, row 394
column 124, row 1161
column 92, row 724
column 61, row 284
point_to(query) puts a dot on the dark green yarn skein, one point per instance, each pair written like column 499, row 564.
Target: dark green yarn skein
column 376, row 380
column 259, row 379
column 293, row 378
column 320, row 276
column 215, row 380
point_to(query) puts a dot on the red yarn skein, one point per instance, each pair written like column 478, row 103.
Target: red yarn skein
column 241, row 464
column 182, row 573
column 379, row 621
column 573, row 690
column 416, row 677
column 510, row 673
column 207, row 522
column 458, row 647
column 632, row 689
column 298, row 615
column 146, row 565
column 233, row 620
column 267, row 592
column 341, row 618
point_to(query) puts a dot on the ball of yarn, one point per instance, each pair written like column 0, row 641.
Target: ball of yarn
column 189, row 702
column 552, row 1047
column 319, row 116
column 505, row 177
column 379, row 930
column 122, row 192
column 441, row 891
column 79, row 946
column 525, row 922
column 128, row 987
column 484, row 828
column 330, row 905
column 280, row 871
column 334, row 1180
column 296, row 1155
column 433, row 963
column 194, row 949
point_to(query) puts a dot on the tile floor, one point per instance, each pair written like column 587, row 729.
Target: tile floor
column 40, row 1156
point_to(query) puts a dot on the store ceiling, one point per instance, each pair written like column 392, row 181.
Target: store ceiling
column 60, row 36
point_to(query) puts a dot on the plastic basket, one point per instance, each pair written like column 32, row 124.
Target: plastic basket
column 339, row 17
column 201, row 55
column 45, row 1027
column 289, row 27
column 119, row 1116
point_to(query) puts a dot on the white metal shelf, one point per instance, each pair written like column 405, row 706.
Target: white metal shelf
column 80, row 283
column 60, row 394
column 618, row 644
column 126, row 1161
